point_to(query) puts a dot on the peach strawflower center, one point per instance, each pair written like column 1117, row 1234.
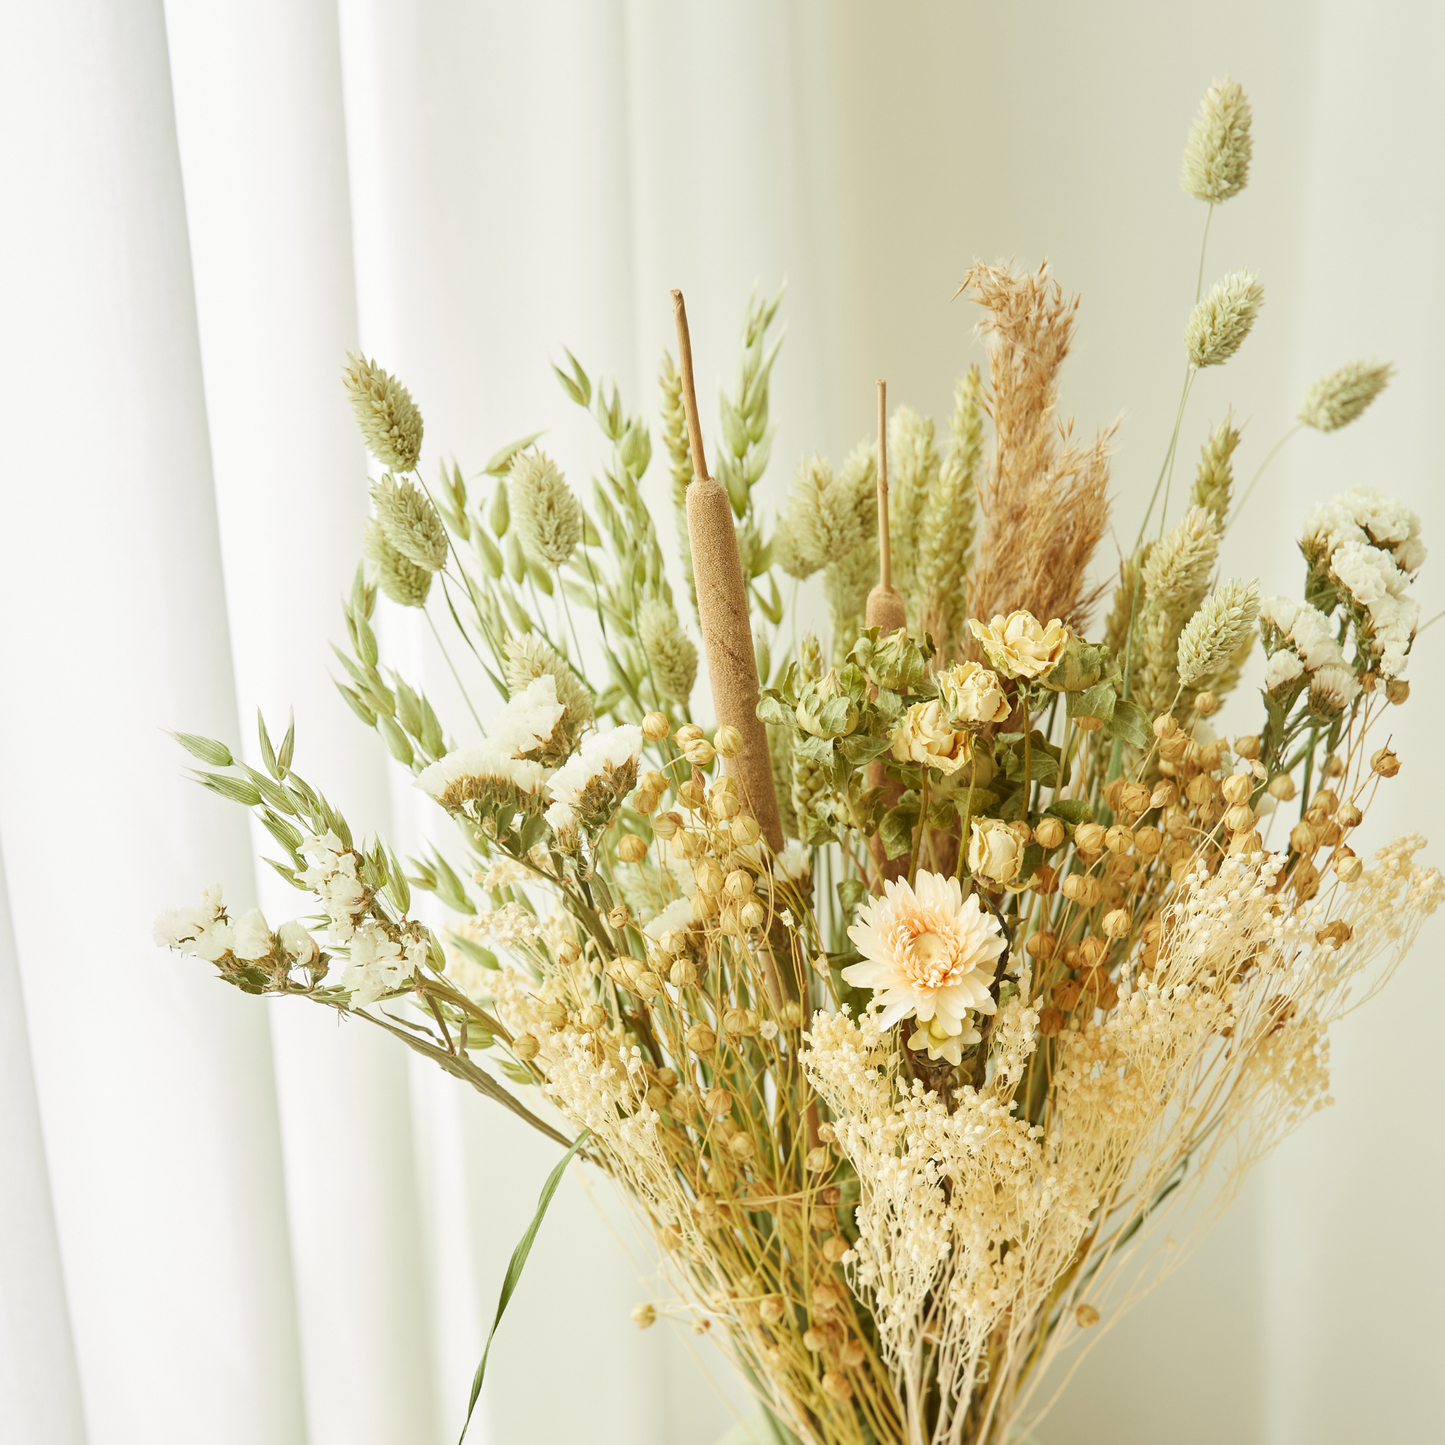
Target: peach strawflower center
column 926, row 957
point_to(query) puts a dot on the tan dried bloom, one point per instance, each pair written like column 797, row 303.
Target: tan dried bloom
column 546, row 515
column 1211, row 638
column 671, row 654
column 1341, row 397
column 1220, row 322
column 390, row 423
column 925, row 735
column 397, row 576
column 1019, row 645
column 995, row 850
column 973, row 695
column 1216, row 157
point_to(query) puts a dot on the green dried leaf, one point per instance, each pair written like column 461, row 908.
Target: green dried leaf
column 218, row 755
column 500, row 460
column 235, row 790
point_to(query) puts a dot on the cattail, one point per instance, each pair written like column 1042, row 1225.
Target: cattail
column 1341, row 397
column 547, row 516
column 389, row 421
column 410, row 522
column 670, row 653
column 398, row 577
column 530, row 656
column 1217, row 154
column 1220, row 322
column 1214, row 634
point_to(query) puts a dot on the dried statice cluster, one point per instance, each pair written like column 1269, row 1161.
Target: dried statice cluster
column 902, row 1040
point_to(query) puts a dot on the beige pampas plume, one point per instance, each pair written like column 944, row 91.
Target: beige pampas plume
column 1219, row 323
column 1341, row 397
column 397, row 576
column 1042, row 504
column 546, row 515
column 389, row 421
column 1217, row 154
column 410, row 522
column 670, row 653
column 1212, row 637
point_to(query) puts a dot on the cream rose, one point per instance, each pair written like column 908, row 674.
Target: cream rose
column 1019, row 645
column 995, row 850
column 926, row 736
column 973, row 694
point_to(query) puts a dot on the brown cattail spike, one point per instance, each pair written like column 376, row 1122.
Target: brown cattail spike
column 885, row 609
column 722, row 606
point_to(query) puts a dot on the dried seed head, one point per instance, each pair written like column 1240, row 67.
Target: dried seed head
column 1163, row 795
column 1282, row 787
column 547, row 516
column 1206, row 704
column 648, row 984
column 741, row 1146
column 1065, row 994
column 835, row 1247
column 1217, row 154
column 631, row 848
column 745, row 830
column 620, row 916
column 1339, row 398
column 836, row 1385
column 1335, row 935
column 1148, row 841
column 655, row 727
column 728, row 741
column 594, row 1016
column 700, row 1039
column 700, row 754
column 1089, row 838
column 1220, row 322
column 1239, row 818
column 1049, row 833
column 1302, row 838
column 1041, row 945
column 1086, row 1316
column 682, row 974
column 398, row 577
column 1348, row 868
column 1165, row 725
column 752, row 914
column 644, row 1316
column 1051, row 1021
column 525, row 1047
column 666, row 824
column 390, row 424
column 1237, row 788
column 1349, row 816
column 1134, row 798
column 1397, row 690
column 1118, row 839
column 410, row 522
column 1384, row 763
column 1247, row 746
column 771, row 1308
column 724, row 805
column 1117, row 923
column 853, row 1354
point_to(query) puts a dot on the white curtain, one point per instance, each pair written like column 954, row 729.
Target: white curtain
column 224, row 1221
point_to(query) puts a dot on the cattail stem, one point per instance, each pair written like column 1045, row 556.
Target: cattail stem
column 722, row 608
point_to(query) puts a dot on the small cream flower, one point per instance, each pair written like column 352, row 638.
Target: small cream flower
column 927, row 951
column 973, row 695
column 995, row 850
column 1019, row 645
column 925, row 736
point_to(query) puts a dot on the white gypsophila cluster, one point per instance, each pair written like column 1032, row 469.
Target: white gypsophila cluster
column 379, row 963
column 677, row 916
column 1371, row 545
column 588, row 787
column 332, row 877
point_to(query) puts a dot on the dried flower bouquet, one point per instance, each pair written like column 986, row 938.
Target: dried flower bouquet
column 907, row 1002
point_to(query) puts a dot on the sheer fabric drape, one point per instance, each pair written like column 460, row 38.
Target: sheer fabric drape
column 230, row 1222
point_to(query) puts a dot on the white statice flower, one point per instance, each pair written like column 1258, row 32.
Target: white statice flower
column 1332, row 689
column 927, row 951
column 478, row 771
column 594, row 781
column 180, row 927
column 1363, row 515
column 377, row 965
column 677, row 917
column 1393, row 621
column 332, row 878
column 1367, row 572
column 527, row 721
column 296, row 939
column 1281, row 670
column 252, row 936
column 1314, row 638
column 795, row 862
column 1279, row 612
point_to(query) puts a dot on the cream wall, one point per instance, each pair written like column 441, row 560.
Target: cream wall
column 226, row 1222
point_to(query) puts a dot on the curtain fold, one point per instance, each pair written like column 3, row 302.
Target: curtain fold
column 235, row 1222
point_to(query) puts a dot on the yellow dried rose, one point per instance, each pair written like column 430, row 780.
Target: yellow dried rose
column 995, row 849
column 926, row 736
column 973, row 695
column 1019, row 645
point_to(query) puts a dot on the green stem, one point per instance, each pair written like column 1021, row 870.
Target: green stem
column 460, row 684
column 1273, row 452
column 1203, row 246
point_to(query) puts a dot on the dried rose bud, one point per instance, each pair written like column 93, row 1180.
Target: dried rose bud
column 1385, row 763
column 655, row 727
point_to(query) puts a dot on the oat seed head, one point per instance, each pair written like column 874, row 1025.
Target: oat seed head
column 390, row 423
column 1220, row 322
column 1217, row 154
column 1341, row 397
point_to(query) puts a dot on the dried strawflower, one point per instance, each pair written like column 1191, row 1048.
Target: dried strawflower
column 671, row 654
column 1341, row 397
column 1220, row 322
column 1217, row 154
column 389, row 421
column 547, row 516
column 927, row 951
column 1214, row 634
